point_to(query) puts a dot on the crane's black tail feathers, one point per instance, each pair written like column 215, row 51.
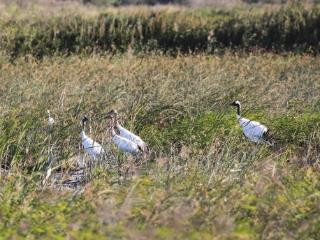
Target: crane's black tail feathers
column 140, row 148
column 269, row 138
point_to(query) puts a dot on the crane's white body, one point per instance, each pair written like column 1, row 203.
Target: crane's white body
column 252, row 130
column 48, row 175
column 130, row 136
column 125, row 144
column 50, row 119
column 91, row 147
column 126, row 134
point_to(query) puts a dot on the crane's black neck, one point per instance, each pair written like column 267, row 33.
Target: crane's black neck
column 83, row 125
column 238, row 109
column 84, row 120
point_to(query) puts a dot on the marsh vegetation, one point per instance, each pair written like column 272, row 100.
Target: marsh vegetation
column 202, row 179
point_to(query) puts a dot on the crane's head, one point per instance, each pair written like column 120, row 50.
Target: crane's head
column 84, row 119
column 83, row 122
column 238, row 105
column 112, row 114
column 235, row 103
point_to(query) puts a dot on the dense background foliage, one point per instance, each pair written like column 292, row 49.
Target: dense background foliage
column 191, row 2
column 168, row 30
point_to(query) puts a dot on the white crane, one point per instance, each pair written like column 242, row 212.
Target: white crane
column 48, row 167
column 124, row 144
column 48, row 175
column 50, row 155
column 91, row 147
column 113, row 114
column 254, row 131
column 50, row 119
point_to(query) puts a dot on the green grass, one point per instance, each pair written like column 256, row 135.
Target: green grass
column 203, row 178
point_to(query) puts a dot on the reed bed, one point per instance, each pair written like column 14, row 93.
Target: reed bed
column 164, row 30
column 202, row 179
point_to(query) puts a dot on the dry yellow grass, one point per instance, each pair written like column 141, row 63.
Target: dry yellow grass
column 272, row 82
column 203, row 179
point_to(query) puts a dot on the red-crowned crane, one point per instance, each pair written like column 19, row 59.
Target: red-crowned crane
column 91, row 147
column 124, row 133
column 50, row 119
column 254, row 131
